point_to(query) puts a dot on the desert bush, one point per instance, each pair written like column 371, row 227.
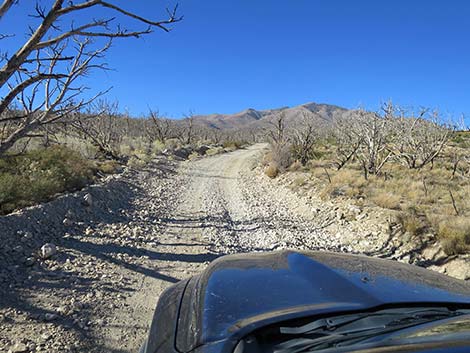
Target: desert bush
column 454, row 234
column 173, row 144
column 386, row 200
column 38, row 175
column 136, row 162
column 157, row 147
column 281, row 155
column 272, row 170
column 193, row 156
column 299, row 182
column 296, row 166
column 233, row 144
column 108, row 166
column 213, row 151
column 345, row 182
column 411, row 221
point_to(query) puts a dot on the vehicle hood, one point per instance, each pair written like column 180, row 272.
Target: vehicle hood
column 239, row 293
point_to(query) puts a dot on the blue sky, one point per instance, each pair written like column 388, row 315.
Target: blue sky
column 230, row 55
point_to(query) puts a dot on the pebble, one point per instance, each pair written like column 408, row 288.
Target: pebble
column 88, row 200
column 19, row 348
column 67, row 222
column 48, row 250
column 50, row 316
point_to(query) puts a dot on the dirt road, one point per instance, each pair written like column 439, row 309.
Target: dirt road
column 221, row 208
column 167, row 223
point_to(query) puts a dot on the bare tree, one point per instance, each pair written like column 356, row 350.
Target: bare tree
column 347, row 139
column 280, row 141
column 421, row 137
column 102, row 126
column 45, row 74
column 377, row 134
column 305, row 136
column 187, row 131
column 161, row 128
column 216, row 135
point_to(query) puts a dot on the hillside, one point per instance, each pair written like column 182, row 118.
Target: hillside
column 252, row 118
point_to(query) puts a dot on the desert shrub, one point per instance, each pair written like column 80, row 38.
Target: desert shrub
column 299, row 182
column 386, row 200
column 157, row 147
column 193, row 156
column 9, row 192
column 173, row 144
column 267, row 159
column 454, row 235
column 272, row 170
column 38, row 175
column 108, row 166
column 296, row 166
column 346, row 182
column 232, row 144
column 411, row 221
column 135, row 162
column 213, row 151
column 281, row 156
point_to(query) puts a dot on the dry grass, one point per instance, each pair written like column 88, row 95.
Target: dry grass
column 299, row 182
column 272, row 170
column 346, row 182
column 386, row 199
column 412, row 222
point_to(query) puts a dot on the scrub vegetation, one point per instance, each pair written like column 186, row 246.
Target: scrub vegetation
column 413, row 164
column 37, row 175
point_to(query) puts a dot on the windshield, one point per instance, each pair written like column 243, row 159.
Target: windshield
column 376, row 328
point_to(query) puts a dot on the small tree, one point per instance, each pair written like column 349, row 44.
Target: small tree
column 375, row 128
column 420, row 138
column 280, row 141
column 347, row 139
column 160, row 128
column 305, row 136
column 102, row 126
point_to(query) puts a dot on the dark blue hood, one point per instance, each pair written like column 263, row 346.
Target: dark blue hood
column 239, row 293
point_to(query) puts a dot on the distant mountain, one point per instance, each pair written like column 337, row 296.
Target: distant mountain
column 254, row 118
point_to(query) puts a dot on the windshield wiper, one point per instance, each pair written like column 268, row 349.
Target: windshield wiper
column 351, row 329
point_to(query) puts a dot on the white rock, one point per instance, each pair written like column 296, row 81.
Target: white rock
column 48, row 250
column 50, row 317
column 88, row 200
column 19, row 348
column 67, row 222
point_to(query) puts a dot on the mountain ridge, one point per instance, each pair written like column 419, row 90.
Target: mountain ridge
column 252, row 117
